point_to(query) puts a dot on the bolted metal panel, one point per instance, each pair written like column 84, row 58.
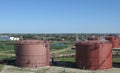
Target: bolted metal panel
column 114, row 40
column 32, row 53
column 94, row 55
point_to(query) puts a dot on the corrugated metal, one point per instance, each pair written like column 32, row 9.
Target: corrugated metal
column 94, row 55
column 32, row 53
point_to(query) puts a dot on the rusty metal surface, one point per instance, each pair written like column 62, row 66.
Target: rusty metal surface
column 94, row 55
column 114, row 40
column 32, row 53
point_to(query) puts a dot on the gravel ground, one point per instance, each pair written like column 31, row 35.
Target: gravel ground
column 54, row 69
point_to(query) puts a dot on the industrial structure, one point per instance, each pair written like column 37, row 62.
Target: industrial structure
column 114, row 40
column 32, row 53
column 94, row 54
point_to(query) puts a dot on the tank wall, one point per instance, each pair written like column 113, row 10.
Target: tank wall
column 114, row 40
column 32, row 53
column 94, row 56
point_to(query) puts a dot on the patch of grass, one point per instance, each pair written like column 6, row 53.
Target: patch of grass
column 7, row 52
column 116, row 59
column 66, row 59
column 67, row 52
column 6, row 57
column 6, row 45
column 1, row 67
column 72, row 59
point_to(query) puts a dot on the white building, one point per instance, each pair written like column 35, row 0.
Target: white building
column 14, row 38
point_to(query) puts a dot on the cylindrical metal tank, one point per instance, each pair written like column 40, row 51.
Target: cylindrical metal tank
column 114, row 40
column 93, row 55
column 32, row 53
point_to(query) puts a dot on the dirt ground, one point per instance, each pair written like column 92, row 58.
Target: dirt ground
column 54, row 69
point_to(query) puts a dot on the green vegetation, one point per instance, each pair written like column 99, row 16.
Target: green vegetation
column 66, row 59
column 67, row 52
column 1, row 67
column 116, row 60
column 72, row 59
column 6, row 49
column 7, row 52
column 6, row 45
column 7, row 57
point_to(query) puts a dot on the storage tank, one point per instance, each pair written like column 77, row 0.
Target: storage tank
column 32, row 53
column 94, row 55
column 114, row 40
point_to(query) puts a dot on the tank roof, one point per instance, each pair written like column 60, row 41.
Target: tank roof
column 93, row 41
column 30, row 41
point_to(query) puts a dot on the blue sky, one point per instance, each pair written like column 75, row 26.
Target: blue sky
column 59, row 16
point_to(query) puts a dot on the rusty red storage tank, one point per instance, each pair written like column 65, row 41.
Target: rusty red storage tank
column 114, row 40
column 32, row 53
column 94, row 55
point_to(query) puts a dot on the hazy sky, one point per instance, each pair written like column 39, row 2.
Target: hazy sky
column 59, row 16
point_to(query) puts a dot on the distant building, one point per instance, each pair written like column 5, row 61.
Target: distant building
column 14, row 38
column 8, row 38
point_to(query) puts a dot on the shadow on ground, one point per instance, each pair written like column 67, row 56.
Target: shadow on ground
column 116, row 64
column 8, row 62
column 64, row 64
column 73, row 65
column 55, row 63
